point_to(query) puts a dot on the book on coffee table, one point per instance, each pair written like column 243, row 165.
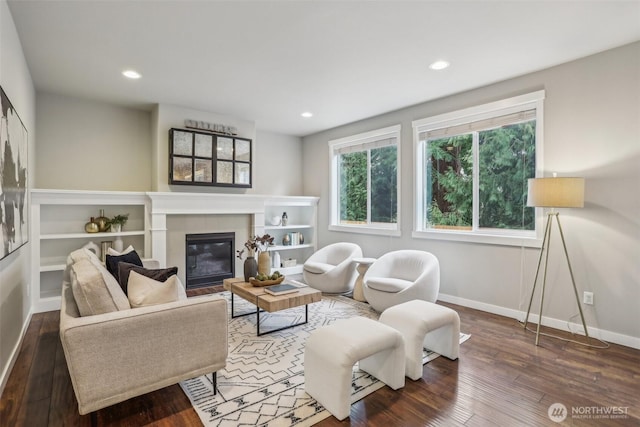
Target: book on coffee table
column 280, row 289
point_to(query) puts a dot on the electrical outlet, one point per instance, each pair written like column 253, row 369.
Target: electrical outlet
column 587, row 298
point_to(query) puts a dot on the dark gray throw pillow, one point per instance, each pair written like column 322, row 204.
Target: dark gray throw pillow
column 160, row 275
column 112, row 261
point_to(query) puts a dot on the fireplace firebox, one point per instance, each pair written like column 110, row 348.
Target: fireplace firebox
column 209, row 259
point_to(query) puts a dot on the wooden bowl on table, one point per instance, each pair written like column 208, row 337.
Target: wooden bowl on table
column 256, row 282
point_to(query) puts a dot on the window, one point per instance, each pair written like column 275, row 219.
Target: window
column 472, row 168
column 365, row 182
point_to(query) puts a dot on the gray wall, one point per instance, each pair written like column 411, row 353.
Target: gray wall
column 15, row 268
column 592, row 129
column 88, row 145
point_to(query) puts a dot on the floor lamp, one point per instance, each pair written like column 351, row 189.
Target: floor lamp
column 554, row 193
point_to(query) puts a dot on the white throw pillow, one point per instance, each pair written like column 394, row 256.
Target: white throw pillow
column 143, row 291
column 113, row 252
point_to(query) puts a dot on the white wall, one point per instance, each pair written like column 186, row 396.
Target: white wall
column 14, row 269
column 88, row 145
column 592, row 129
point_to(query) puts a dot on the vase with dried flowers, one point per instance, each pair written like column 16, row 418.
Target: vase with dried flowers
column 260, row 245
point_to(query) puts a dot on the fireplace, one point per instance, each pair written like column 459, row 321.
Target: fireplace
column 210, row 259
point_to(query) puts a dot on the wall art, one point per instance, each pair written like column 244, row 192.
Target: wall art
column 14, row 209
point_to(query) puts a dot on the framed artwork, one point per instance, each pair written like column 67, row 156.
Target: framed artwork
column 14, row 209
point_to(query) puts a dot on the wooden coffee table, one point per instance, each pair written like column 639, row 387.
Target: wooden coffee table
column 271, row 303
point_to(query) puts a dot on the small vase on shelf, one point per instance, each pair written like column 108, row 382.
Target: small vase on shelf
column 91, row 226
column 118, row 244
column 250, row 268
column 102, row 221
column 116, row 228
column 285, row 219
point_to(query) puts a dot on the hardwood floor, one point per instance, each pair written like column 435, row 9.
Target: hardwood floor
column 500, row 379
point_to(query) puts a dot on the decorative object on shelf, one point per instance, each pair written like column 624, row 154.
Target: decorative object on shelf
column 91, row 226
column 286, row 240
column 275, row 220
column 14, row 220
column 93, row 248
column 118, row 244
column 102, row 221
column 104, row 248
column 285, row 219
column 295, row 238
column 275, row 260
column 211, row 127
column 289, row 263
column 117, row 222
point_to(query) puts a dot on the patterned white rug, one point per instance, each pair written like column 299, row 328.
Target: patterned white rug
column 263, row 382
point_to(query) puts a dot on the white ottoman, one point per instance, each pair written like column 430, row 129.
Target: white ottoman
column 424, row 325
column 331, row 351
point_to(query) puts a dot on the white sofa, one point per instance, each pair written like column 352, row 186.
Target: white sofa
column 125, row 352
column 402, row 276
column 331, row 269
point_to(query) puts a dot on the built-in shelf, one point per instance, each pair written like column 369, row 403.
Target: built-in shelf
column 60, row 236
column 58, row 218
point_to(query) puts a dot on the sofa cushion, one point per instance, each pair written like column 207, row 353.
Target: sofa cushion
column 318, row 267
column 113, row 260
column 95, row 290
column 125, row 268
column 144, row 291
column 111, row 251
column 388, row 284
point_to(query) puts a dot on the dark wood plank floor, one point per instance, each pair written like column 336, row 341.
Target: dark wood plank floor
column 501, row 379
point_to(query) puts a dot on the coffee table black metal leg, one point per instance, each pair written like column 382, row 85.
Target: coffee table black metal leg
column 306, row 319
column 233, row 315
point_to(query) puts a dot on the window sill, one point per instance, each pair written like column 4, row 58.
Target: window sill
column 490, row 239
column 365, row 230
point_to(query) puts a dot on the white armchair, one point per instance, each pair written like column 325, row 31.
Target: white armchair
column 331, row 269
column 402, row 276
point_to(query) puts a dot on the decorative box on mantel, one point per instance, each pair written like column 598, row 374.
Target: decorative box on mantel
column 206, row 158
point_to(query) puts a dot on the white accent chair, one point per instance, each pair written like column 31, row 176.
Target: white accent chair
column 402, row 276
column 331, row 269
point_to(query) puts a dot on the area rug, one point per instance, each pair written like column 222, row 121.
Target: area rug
column 263, row 382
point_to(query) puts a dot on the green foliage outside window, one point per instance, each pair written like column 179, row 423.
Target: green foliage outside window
column 353, row 177
column 506, row 161
column 353, row 187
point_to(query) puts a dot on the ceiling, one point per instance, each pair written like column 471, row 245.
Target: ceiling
column 269, row 61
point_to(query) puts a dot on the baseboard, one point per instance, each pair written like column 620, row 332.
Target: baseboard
column 563, row 325
column 14, row 353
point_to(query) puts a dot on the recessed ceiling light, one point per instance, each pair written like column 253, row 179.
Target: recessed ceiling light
column 131, row 74
column 307, row 114
column 439, row 65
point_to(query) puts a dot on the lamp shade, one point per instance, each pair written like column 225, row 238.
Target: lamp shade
column 556, row 192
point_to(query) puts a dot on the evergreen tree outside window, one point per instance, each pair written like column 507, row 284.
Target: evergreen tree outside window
column 472, row 168
column 364, row 172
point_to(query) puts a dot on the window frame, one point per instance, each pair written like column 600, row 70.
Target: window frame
column 334, row 187
column 533, row 100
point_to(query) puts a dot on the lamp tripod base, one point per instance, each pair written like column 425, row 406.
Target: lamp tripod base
column 545, row 251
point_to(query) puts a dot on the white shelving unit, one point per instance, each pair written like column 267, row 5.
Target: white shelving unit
column 302, row 218
column 57, row 228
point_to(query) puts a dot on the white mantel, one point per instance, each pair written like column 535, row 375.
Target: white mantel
column 163, row 204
